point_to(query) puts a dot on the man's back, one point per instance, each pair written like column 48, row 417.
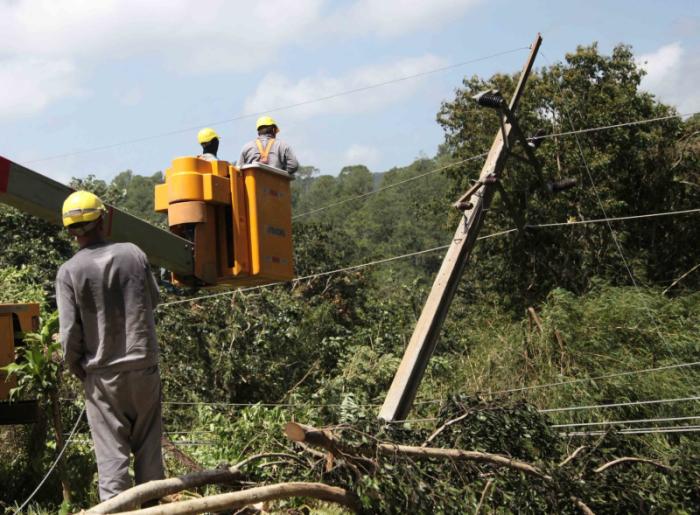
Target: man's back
column 280, row 154
column 106, row 294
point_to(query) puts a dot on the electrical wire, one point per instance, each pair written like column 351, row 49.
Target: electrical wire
column 620, row 404
column 457, row 163
column 596, row 378
column 384, row 188
column 615, row 239
column 426, row 251
column 612, row 126
column 277, row 109
column 639, row 431
column 617, row 422
column 53, row 465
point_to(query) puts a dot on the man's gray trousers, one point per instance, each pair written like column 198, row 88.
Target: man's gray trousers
column 124, row 413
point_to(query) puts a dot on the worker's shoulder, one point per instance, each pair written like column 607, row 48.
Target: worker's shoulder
column 126, row 248
column 249, row 145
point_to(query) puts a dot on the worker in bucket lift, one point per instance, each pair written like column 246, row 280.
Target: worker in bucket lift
column 106, row 295
column 267, row 149
column 209, row 140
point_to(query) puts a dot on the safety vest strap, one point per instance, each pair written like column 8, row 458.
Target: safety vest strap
column 264, row 152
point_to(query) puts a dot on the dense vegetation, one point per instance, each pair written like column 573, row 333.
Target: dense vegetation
column 324, row 350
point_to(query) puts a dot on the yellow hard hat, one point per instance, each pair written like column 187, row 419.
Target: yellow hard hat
column 82, row 206
column 206, row 135
column 265, row 120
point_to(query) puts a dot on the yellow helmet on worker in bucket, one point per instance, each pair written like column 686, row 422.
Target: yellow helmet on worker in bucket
column 206, row 135
column 82, row 206
column 264, row 121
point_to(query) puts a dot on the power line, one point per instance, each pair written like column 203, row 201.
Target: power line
column 280, row 108
column 426, row 251
column 619, row 404
column 615, row 239
column 596, row 378
column 640, row 431
column 53, row 465
column 457, row 163
column 617, row 422
column 384, row 188
column 262, row 404
column 612, row 126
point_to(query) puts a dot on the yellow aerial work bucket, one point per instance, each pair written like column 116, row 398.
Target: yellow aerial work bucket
column 269, row 205
column 240, row 220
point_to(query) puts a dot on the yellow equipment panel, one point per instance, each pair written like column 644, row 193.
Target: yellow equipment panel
column 15, row 319
column 268, row 194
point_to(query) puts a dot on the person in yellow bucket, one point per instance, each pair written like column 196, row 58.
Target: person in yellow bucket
column 267, row 149
column 209, row 140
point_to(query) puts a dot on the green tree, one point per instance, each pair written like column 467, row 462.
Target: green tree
column 624, row 171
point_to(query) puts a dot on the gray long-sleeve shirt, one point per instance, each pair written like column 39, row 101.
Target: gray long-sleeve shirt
column 281, row 155
column 106, row 295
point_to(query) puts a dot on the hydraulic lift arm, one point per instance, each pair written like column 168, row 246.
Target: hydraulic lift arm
column 43, row 197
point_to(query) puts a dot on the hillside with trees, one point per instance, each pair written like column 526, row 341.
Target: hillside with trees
column 547, row 322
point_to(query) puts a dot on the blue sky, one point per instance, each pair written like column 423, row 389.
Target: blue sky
column 77, row 74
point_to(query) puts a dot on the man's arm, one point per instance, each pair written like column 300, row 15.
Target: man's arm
column 71, row 329
column 291, row 160
column 243, row 160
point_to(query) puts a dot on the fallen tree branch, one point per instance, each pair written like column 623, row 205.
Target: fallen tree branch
column 573, row 455
column 325, row 439
column 301, row 433
column 236, row 500
column 445, row 426
column 137, row 495
column 460, row 455
column 183, row 458
column 629, row 459
column 484, row 493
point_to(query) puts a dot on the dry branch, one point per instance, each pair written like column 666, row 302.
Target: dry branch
column 445, row 426
column 325, row 439
column 573, row 455
column 301, row 433
column 236, row 500
column 618, row 461
column 136, row 496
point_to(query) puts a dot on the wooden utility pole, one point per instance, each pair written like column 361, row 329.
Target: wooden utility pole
column 475, row 202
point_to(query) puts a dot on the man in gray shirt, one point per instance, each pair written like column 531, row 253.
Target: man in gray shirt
column 106, row 295
column 267, row 149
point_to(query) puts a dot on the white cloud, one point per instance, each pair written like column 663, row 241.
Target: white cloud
column 75, row 36
column 29, row 85
column 396, row 17
column 361, row 155
column 276, row 90
column 673, row 75
column 209, row 35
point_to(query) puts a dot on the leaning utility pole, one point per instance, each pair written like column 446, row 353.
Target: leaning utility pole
column 474, row 203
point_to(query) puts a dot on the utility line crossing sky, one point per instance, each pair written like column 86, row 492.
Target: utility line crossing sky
column 78, row 75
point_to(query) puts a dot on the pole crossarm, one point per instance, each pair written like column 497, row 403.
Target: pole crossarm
column 402, row 391
column 43, row 197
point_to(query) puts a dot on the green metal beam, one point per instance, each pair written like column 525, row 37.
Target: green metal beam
column 43, row 197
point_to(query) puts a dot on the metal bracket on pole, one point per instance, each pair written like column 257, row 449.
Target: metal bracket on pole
column 402, row 392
